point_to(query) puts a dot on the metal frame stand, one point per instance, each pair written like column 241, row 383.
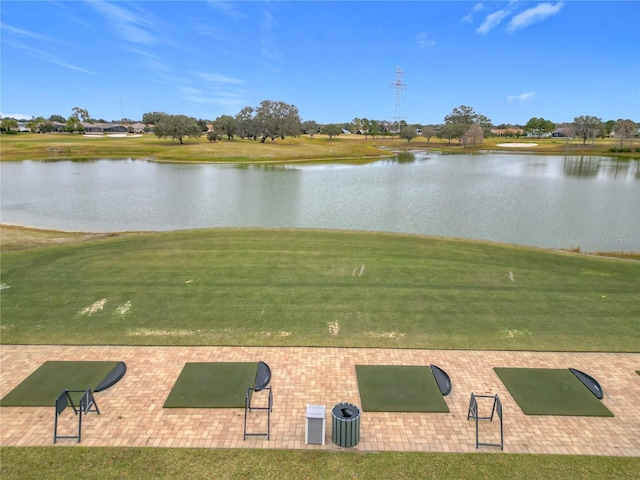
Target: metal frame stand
column 473, row 414
column 248, row 408
column 87, row 404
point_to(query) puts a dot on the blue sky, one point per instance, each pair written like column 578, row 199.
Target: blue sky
column 334, row 60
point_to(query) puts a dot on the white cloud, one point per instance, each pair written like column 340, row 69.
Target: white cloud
column 16, row 38
column 424, row 41
column 129, row 26
column 227, row 8
column 492, row 20
column 523, row 97
column 17, row 116
column 226, row 101
column 268, row 41
column 19, row 32
column 469, row 17
column 534, row 15
column 49, row 57
column 194, row 95
column 151, row 61
column 219, row 78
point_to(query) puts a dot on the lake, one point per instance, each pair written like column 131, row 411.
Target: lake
column 544, row 201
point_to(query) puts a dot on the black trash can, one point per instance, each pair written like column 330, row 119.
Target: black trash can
column 346, row 425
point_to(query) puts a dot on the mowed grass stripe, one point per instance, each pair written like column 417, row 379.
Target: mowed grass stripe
column 327, row 288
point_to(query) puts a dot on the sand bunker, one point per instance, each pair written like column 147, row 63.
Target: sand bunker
column 111, row 135
column 517, row 145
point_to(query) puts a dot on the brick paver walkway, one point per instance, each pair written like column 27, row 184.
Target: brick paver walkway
column 132, row 413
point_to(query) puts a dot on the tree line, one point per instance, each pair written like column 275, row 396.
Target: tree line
column 277, row 119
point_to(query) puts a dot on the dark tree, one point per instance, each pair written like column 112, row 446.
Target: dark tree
column 45, row 127
column 247, row 126
column 177, row 127
column 226, row 125
column 81, row 113
column 539, row 126
column 460, row 119
column 429, row 131
column 74, row 125
column 204, row 125
column 153, row 117
column 331, row 130
column 213, row 136
column 310, row 128
column 407, row 133
column 277, row 119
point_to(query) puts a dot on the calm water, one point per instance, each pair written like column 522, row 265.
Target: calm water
column 545, row 201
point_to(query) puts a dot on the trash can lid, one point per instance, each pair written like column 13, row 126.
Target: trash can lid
column 316, row 411
column 345, row 411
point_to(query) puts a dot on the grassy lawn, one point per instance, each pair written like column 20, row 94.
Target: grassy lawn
column 27, row 146
column 154, row 463
column 80, row 147
column 317, row 288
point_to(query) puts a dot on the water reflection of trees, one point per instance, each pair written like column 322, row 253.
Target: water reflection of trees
column 620, row 169
column 586, row 166
column 406, row 157
column 581, row 166
column 401, row 157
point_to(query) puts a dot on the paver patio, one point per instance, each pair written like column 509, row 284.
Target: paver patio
column 132, row 414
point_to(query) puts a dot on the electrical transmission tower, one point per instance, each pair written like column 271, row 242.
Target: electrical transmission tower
column 399, row 87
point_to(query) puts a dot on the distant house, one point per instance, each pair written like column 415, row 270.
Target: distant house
column 137, row 127
column 58, row 127
column 92, row 127
column 560, row 132
column 115, row 129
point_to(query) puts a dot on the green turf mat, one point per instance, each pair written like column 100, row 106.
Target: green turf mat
column 399, row 388
column 212, row 385
column 44, row 385
column 551, row 391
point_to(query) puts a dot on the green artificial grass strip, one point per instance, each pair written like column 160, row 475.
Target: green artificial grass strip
column 399, row 388
column 44, row 385
column 551, row 391
column 212, row 385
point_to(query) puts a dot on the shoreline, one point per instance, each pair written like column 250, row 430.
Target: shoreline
column 50, row 236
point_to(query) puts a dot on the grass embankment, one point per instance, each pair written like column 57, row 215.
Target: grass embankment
column 288, row 287
column 81, row 147
column 154, row 463
column 27, row 146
